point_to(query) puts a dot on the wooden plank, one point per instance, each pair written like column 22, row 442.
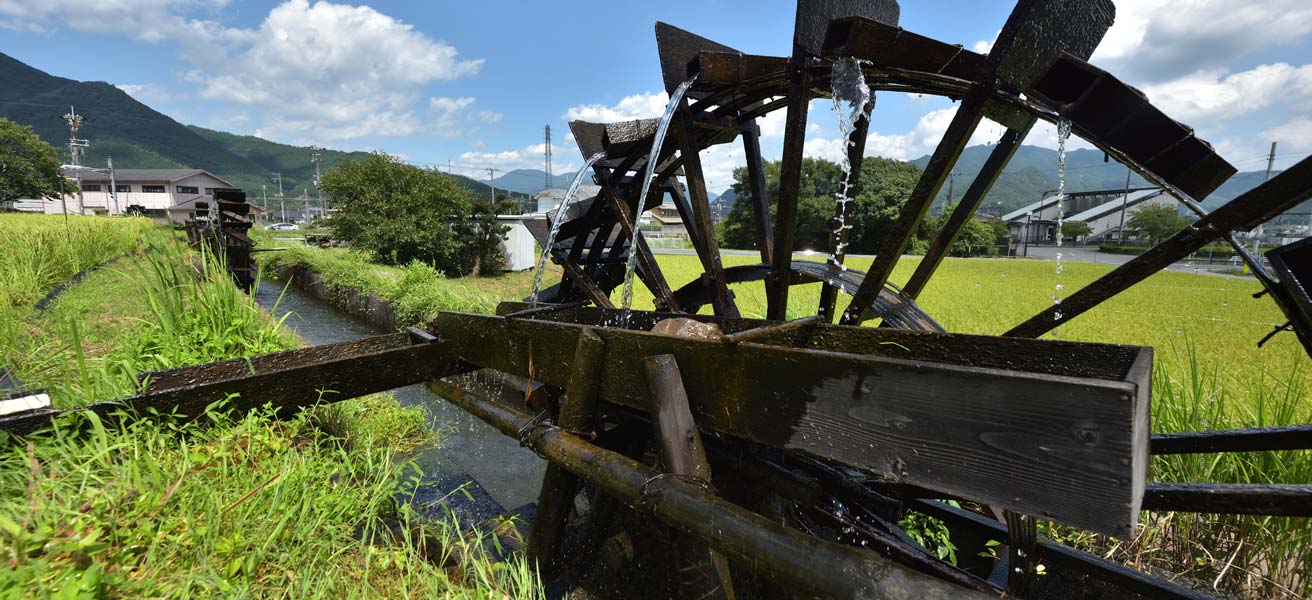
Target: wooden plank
column 1066, row 448
column 1254, row 439
column 759, row 191
column 721, row 298
column 1230, row 498
column 647, row 267
column 556, row 499
column 286, row 388
column 585, row 283
column 785, row 224
column 158, row 381
column 700, row 573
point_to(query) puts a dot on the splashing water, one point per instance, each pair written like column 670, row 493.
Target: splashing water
column 1063, row 133
column 560, row 218
column 626, row 301
column 852, row 102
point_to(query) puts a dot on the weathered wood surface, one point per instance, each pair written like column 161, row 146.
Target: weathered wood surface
column 1072, row 449
column 1282, row 500
column 288, row 388
column 556, row 499
column 802, row 563
column 1255, row 439
column 702, row 573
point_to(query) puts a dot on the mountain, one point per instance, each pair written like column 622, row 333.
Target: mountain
column 139, row 137
column 1032, row 174
column 530, row 181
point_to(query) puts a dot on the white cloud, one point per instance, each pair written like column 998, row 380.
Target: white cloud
column 1154, row 40
column 332, row 71
column 1214, row 95
column 645, row 105
column 528, row 157
column 148, row 20
column 1295, row 137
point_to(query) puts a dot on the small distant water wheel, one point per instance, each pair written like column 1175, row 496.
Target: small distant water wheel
column 1036, row 70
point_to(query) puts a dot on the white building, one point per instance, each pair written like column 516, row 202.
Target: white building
column 549, row 199
column 1100, row 209
column 155, row 191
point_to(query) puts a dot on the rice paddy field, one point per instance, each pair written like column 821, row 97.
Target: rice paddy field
column 1171, row 311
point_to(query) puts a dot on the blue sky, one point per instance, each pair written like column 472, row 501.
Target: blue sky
column 474, row 82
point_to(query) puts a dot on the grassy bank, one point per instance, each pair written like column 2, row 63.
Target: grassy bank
column 228, row 506
column 416, row 292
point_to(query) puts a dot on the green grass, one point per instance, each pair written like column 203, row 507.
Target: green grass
column 229, row 506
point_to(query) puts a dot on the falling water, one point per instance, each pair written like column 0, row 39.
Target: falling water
column 626, row 301
column 560, row 218
column 852, row 102
column 1063, row 133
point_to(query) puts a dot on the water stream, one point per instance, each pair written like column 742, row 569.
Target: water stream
column 560, row 218
column 652, row 159
column 852, row 102
column 1063, row 133
column 500, row 476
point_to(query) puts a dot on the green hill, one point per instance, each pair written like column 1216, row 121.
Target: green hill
column 139, row 137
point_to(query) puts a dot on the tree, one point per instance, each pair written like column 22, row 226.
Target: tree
column 29, row 167
column 483, row 235
column 1074, row 230
column 400, row 213
column 1156, row 222
column 883, row 187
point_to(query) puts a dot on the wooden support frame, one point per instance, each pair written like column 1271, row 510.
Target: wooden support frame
column 590, row 288
column 785, row 223
column 701, row 574
column 760, row 192
column 722, row 298
column 556, row 499
column 801, row 563
column 626, row 217
column 979, row 188
column 931, row 180
column 1070, row 445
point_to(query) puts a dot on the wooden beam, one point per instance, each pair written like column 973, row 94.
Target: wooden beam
column 1069, row 448
column 700, row 573
column 788, row 557
column 585, row 283
column 556, row 499
column 722, row 298
column 785, row 224
column 760, row 193
column 956, row 223
column 1230, row 498
column 627, row 219
column 1255, row 439
column 931, row 180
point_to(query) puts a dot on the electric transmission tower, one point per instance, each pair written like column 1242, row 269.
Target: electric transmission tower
column 548, row 151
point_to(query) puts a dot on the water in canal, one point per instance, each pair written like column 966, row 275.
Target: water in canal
column 500, row 476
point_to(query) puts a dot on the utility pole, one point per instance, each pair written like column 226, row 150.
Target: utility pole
column 282, row 202
column 1257, row 233
column 264, row 194
column 547, row 184
column 314, row 156
column 1120, row 231
column 113, row 185
column 75, row 147
column 448, row 167
column 492, row 181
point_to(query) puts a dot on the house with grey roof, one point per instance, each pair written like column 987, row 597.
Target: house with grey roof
column 154, row 191
column 1036, row 223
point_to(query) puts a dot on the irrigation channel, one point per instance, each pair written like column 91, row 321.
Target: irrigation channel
column 501, row 478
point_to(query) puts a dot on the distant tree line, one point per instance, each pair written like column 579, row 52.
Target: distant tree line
column 400, row 213
column 884, row 187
